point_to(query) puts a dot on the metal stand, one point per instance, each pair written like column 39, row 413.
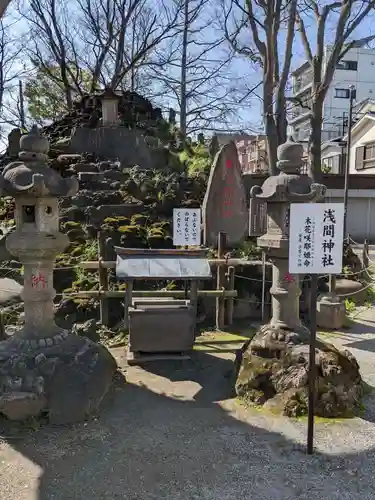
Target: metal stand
column 312, row 367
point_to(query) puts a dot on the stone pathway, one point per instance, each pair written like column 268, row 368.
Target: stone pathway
column 171, row 432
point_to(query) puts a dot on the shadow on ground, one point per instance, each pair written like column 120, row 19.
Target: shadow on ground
column 149, row 446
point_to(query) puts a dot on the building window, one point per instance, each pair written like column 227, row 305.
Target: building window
column 365, row 156
column 369, row 153
column 342, row 93
column 331, row 164
column 348, row 65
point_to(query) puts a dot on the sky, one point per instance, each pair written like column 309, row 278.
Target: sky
column 248, row 116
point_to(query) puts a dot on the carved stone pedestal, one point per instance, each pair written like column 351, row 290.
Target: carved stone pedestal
column 66, row 379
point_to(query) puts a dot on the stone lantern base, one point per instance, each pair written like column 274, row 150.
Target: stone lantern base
column 330, row 312
column 64, row 377
column 273, row 372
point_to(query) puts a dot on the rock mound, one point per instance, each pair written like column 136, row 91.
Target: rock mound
column 135, row 111
column 278, row 378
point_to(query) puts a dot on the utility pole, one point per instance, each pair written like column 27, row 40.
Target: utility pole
column 21, row 104
column 352, row 95
column 183, row 100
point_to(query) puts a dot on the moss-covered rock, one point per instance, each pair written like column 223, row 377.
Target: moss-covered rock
column 274, row 372
column 76, row 235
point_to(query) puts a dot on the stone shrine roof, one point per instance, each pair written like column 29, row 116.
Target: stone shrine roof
column 31, row 175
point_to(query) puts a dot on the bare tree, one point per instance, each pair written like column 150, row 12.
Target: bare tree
column 123, row 36
column 53, row 46
column 267, row 22
column 342, row 18
column 11, row 70
column 198, row 80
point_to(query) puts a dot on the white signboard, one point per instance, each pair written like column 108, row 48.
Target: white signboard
column 186, row 226
column 316, row 238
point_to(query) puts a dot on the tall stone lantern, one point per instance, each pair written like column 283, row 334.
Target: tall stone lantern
column 44, row 368
column 272, row 350
column 279, row 191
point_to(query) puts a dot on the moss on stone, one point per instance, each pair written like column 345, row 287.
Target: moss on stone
column 72, row 225
column 139, row 220
column 129, row 229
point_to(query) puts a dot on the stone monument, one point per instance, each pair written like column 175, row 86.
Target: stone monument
column 274, row 365
column 43, row 368
column 224, row 206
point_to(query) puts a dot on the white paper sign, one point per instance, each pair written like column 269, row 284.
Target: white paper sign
column 186, row 226
column 316, row 238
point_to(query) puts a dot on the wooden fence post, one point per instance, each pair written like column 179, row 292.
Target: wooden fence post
column 221, row 271
column 2, row 327
column 103, row 281
column 365, row 257
column 128, row 299
column 230, row 300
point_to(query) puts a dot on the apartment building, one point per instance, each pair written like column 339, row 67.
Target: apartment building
column 252, row 154
column 357, row 68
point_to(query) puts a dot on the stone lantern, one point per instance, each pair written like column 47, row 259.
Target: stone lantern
column 110, row 102
column 279, row 192
column 274, row 365
column 42, row 366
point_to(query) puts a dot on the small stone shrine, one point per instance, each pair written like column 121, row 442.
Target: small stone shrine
column 43, row 368
column 274, row 365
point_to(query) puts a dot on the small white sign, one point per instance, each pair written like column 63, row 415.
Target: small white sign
column 316, row 238
column 186, row 226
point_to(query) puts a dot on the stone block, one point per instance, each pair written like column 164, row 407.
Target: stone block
column 128, row 146
column 330, row 312
column 22, row 405
column 161, row 328
column 67, row 378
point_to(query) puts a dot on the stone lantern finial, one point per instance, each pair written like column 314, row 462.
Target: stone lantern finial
column 33, row 145
column 290, row 156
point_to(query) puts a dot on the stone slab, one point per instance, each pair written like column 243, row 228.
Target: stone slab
column 128, row 146
column 224, row 205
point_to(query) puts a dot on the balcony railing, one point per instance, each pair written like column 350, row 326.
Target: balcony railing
column 302, row 81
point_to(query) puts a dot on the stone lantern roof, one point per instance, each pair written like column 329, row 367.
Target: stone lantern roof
column 108, row 94
column 289, row 186
column 31, row 175
column 290, row 156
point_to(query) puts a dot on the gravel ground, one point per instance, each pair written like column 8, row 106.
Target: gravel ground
column 172, row 433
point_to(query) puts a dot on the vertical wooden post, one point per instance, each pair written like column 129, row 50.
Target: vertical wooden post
column 103, row 281
column 220, row 301
column 230, row 300
column 128, row 302
column 194, row 299
column 365, row 257
column 263, row 285
column 2, row 327
column 332, row 283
